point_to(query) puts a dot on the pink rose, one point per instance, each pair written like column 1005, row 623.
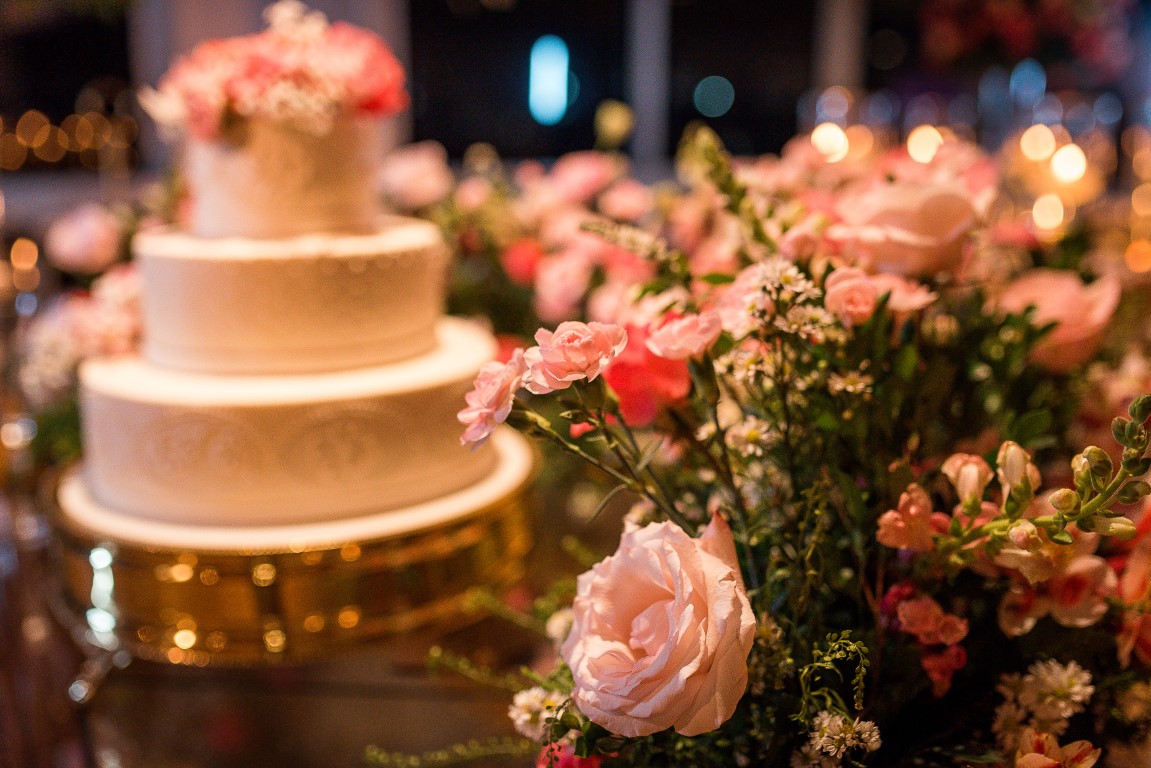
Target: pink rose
column 903, row 295
column 577, row 177
column 684, row 337
column 661, row 633
column 491, row 398
column 908, row 229
column 913, row 524
column 416, row 176
column 561, row 280
column 1080, row 313
column 644, row 382
column 574, row 351
column 86, row 240
column 627, row 200
column 850, row 295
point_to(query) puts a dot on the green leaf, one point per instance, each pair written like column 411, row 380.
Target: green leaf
column 1062, row 537
column 1133, row 491
column 1030, row 426
column 716, row 278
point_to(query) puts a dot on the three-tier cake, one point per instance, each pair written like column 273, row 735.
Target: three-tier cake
column 280, row 470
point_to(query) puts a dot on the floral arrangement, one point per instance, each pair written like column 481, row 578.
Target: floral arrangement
column 863, row 529
column 301, row 70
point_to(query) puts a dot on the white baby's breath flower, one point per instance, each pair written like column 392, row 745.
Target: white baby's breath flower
column 1054, row 691
column 1008, row 724
column 530, row 710
column 808, row 756
column 852, row 383
column 559, row 624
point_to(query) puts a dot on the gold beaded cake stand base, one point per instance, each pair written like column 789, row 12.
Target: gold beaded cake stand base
column 290, row 593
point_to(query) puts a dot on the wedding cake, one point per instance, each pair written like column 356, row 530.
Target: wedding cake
column 296, row 392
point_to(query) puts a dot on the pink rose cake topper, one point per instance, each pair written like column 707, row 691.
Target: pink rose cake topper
column 301, row 70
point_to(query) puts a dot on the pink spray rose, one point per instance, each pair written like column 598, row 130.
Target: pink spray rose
column 850, row 295
column 86, row 240
column 913, row 524
column 490, row 400
column 661, row 633
column 574, row 351
column 416, row 175
column 903, row 295
column 684, row 337
column 1081, row 313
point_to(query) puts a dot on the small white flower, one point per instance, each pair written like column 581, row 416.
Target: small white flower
column 559, row 624
column 808, row 756
column 530, row 710
column 750, row 437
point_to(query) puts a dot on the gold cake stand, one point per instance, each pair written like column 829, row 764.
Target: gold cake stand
column 283, row 604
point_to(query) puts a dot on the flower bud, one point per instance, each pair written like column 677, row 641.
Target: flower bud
column 1064, row 500
column 1099, row 460
column 969, row 475
column 1024, row 535
column 1015, row 466
column 1119, row 527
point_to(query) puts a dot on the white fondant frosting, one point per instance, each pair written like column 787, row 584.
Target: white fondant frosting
column 304, row 304
column 511, row 470
column 201, row 449
column 266, row 178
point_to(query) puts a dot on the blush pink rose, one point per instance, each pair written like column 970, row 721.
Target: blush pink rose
column 913, row 524
column 491, row 398
column 661, row 633
column 416, row 175
column 850, row 295
column 572, row 352
column 908, row 229
column 627, row 200
column 684, row 337
column 86, row 240
column 577, row 177
column 1080, row 313
column 903, row 296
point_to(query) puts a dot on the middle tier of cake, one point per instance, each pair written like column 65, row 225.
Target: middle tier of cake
column 264, row 450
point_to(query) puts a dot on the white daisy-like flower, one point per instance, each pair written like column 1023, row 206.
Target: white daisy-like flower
column 808, row 756
column 750, row 437
column 530, row 710
column 1055, row 691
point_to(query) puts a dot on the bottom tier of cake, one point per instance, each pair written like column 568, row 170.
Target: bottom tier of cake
column 228, row 595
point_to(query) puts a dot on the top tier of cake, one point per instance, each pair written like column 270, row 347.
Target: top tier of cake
column 282, row 128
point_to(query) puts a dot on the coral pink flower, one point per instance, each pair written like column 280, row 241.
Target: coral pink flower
column 1041, row 750
column 577, row 177
column 560, row 283
column 924, row 618
column 1135, row 592
column 521, row 260
column 661, row 633
column 644, row 382
column 941, row 665
column 491, row 398
column 850, row 295
column 572, row 352
column 969, row 475
column 744, row 306
column 684, row 337
column 86, row 240
column 1080, row 312
column 913, row 524
column 557, row 756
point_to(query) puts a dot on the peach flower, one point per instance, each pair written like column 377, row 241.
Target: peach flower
column 1080, row 313
column 1041, row 750
column 969, row 475
column 913, row 524
column 661, row 633
column 1135, row 591
column 490, row 400
column 684, row 337
column 1074, row 597
column 907, row 228
column 574, row 351
column 924, row 618
column 627, row 200
column 903, row 295
column 416, row 175
column 850, row 294
column 85, row 240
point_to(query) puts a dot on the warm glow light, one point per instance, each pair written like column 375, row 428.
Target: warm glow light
column 30, row 124
column 1047, row 212
column 1141, row 200
column 12, row 152
column 26, row 279
column 860, row 140
column 1037, row 143
column 1139, row 256
column 184, row 639
column 24, row 253
column 923, row 142
column 1068, row 164
column 830, row 141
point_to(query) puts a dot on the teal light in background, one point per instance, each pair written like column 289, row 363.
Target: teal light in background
column 548, row 80
column 714, row 96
